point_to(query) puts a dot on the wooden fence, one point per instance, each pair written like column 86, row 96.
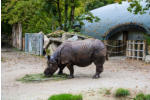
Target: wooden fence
column 116, row 47
column 136, row 49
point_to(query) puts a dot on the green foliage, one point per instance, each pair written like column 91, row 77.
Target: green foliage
column 136, row 7
column 88, row 16
column 29, row 12
column 147, row 37
column 45, row 16
column 141, row 96
column 120, row 92
column 147, row 97
column 41, row 15
column 97, row 3
column 48, row 52
column 65, row 97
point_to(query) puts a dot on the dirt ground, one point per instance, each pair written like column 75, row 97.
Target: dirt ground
column 118, row 72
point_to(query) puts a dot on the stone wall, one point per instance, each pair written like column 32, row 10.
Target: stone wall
column 53, row 40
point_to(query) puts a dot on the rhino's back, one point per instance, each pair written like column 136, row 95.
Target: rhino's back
column 86, row 46
column 80, row 52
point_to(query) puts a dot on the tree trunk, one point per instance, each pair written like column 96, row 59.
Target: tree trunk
column 17, row 36
column 59, row 14
column 72, row 13
column 14, row 36
column 20, row 36
column 66, row 15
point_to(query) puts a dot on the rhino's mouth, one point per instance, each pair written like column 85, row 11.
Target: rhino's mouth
column 47, row 75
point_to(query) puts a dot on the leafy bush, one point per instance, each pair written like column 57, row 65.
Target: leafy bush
column 147, row 39
column 120, row 92
column 65, row 97
column 141, row 96
column 147, row 97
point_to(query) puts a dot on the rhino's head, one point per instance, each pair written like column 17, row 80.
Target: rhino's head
column 52, row 66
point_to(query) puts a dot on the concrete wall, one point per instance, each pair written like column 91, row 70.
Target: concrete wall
column 132, row 35
column 135, row 35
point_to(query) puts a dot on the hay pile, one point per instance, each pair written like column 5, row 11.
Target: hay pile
column 40, row 77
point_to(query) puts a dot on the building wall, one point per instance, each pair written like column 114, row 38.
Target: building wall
column 135, row 35
column 132, row 35
column 117, row 36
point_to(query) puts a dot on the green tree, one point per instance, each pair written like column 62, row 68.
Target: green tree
column 45, row 15
column 136, row 7
column 97, row 3
column 27, row 12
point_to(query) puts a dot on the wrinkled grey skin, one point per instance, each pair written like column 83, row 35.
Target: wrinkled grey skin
column 81, row 53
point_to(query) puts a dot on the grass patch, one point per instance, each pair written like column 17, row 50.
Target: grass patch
column 120, row 92
column 147, row 97
column 40, row 77
column 65, row 97
column 105, row 91
column 3, row 59
column 141, row 96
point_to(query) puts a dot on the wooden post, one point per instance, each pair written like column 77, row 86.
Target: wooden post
column 26, row 42
column 14, row 35
column 20, row 36
column 130, row 48
column 133, row 49
column 138, row 50
column 144, row 50
column 23, row 44
column 127, row 50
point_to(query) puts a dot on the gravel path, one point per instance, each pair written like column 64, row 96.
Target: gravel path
column 118, row 72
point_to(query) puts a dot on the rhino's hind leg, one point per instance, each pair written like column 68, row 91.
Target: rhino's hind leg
column 99, row 66
column 71, row 69
column 99, row 69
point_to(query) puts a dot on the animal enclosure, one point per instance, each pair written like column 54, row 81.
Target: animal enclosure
column 34, row 43
column 136, row 49
column 116, row 47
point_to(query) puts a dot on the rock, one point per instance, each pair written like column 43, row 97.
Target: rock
column 74, row 38
column 147, row 59
column 53, row 40
column 52, row 48
column 65, row 36
column 46, row 41
column 57, row 33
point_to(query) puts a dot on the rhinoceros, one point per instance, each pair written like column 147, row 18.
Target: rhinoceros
column 81, row 53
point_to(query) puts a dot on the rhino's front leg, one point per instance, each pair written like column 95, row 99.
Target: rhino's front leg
column 61, row 69
column 71, row 69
